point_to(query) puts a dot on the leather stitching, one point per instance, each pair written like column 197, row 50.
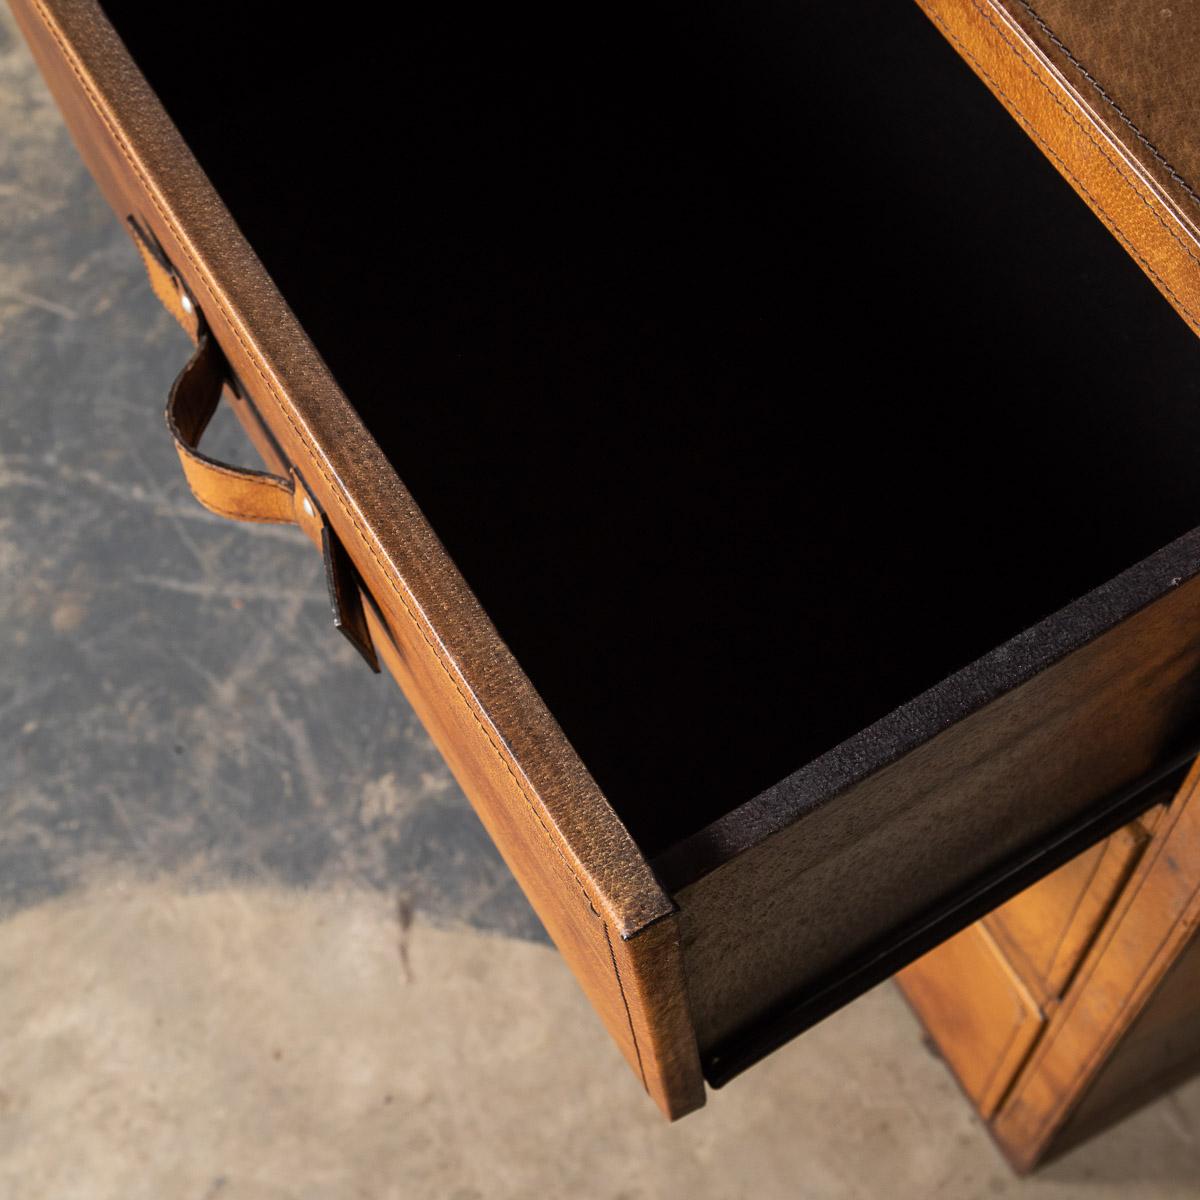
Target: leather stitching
column 1013, row 108
column 1141, row 137
column 1150, row 206
column 237, row 515
column 628, row 1015
column 249, row 475
column 302, row 436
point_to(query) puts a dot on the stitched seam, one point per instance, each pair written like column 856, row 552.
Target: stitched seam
column 237, row 515
column 256, row 479
column 301, row 435
column 628, row 1015
column 1141, row 137
column 1150, row 206
column 1191, row 317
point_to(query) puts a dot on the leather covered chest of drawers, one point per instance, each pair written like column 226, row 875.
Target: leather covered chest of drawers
column 770, row 483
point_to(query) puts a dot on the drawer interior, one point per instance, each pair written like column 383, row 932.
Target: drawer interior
column 753, row 365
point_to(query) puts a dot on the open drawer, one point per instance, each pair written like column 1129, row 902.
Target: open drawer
column 772, row 486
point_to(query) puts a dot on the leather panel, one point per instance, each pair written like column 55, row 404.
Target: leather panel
column 1139, row 64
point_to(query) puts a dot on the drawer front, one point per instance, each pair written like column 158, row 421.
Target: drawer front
column 984, row 1031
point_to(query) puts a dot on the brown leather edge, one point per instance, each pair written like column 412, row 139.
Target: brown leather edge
column 581, row 870
column 1083, row 145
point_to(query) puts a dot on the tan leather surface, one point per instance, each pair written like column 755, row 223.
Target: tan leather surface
column 234, row 492
column 1099, row 154
column 1141, row 65
column 582, row 872
column 247, row 495
column 166, row 286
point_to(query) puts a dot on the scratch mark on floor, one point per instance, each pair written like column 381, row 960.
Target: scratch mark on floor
column 30, row 300
column 404, row 920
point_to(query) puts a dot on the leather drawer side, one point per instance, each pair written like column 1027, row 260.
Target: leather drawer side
column 584, row 876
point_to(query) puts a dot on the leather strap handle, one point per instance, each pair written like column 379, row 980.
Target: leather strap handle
column 237, row 492
column 248, row 495
column 240, row 492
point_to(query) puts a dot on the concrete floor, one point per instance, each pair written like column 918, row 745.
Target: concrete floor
column 253, row 942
